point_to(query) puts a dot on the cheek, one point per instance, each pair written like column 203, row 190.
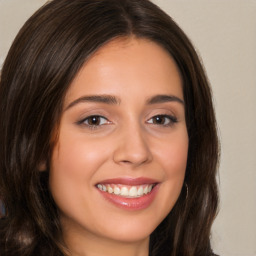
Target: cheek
column 172, row 154
column 73, row 166
column 77, row 155
column 175, row 160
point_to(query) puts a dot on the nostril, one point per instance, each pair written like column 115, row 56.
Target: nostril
column 132, row 150
column 126, row 161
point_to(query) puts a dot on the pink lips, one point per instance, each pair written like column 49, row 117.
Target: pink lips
column 137, row 203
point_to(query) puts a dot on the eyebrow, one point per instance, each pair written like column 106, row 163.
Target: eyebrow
column 107, row 99
column 113, row 100
column 164, row 98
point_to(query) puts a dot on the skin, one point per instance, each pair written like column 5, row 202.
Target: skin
column 127, row 142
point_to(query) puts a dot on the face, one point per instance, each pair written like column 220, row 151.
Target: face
column 119, row 163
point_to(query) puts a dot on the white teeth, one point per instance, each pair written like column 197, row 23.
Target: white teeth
column 117, row 190
column 145, row 191
column 126, row 191
column 140, row 191
column 133, row 192
column 110, row 190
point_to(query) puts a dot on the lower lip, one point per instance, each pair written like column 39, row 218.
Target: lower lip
column 137, row 203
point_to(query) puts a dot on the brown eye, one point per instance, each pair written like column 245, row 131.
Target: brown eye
column 95, row 121
column 164, row 120
column 159, row 120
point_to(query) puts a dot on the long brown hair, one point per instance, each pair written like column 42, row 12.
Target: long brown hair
column 46, row 55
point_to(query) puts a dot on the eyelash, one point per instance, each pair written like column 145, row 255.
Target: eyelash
column 93, row 126
column 171, row 120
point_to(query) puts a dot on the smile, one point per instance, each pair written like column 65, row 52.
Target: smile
column 129, row 193
column 126, row 190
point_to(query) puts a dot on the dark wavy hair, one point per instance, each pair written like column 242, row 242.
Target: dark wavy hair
column 45, row 57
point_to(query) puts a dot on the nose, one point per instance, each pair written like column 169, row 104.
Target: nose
column 132, row 147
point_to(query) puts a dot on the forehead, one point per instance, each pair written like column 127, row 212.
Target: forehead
column 126, row 66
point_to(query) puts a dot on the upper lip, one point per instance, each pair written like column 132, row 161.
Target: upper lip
column 129, row 181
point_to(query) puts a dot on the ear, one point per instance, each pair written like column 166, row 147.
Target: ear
column 42, row 166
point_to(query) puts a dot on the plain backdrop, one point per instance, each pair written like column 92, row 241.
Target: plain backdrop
column 224, row 34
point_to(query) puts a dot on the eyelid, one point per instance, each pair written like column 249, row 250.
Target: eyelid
column 93, row 126
column 172, row 119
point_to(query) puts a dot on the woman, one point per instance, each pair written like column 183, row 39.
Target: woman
column 108, row 139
